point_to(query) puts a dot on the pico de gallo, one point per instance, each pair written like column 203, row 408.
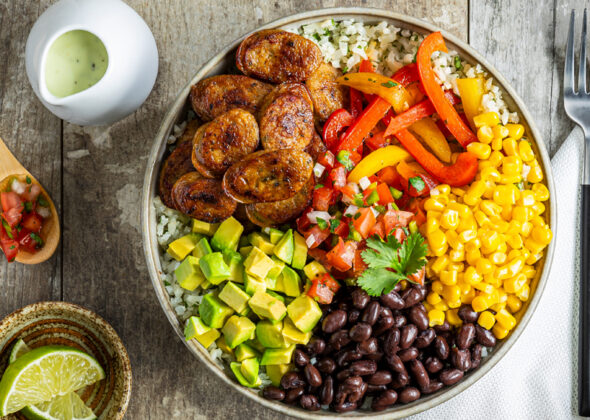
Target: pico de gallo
column 24, row 209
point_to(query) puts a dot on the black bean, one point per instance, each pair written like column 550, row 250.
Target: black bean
column 411, row 297
column 484, row 337
column 408, row 354
column 316, row 346
column 371, row 313
column 369, row 346
column 273, row 393
column 433, row 365
column 339, row 339
column 353, row 315
column 465, row 336
column 345, row 356
column 383, row 325
column 292, row 380
column 381, row 377
column 397, row 287
column 345, row 407
column 351, row 384
column 467, row 314
column 399, row 321
column 400, row 380
column 360, row 332
column 391, row 342
column 441, row 348
column 360, row 298
column 392, row 300
column 445, row 326
column 312, row 374
column 326, row 365
column 374, row 389
column 375, row 356
column 358, row 394
column 385, row 312
column 327, row 391
column 432, row 387
column 422, row 289
column 292, row 395
column 408, row 335
column 343, row 374
column 343, row 306
column 418, row 317
column 425, row 338
column 450, row 376
column 476, row 351
column 384, row 400
column 309, row 402
column 419, row 373
column 409, row 394
column 334, row 321
column 300, row 359
column 395, row 363
column 363, row 367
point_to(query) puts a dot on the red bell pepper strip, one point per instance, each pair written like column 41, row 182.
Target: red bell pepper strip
column 356, row 133
column 407, row 74
column 405, row 119
column 336, row 123
column 376, row 140
column 458, row 174
column 356, row 102
column 367, row 67
column 446, row 111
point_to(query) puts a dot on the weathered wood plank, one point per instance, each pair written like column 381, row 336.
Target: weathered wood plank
column 33, row 134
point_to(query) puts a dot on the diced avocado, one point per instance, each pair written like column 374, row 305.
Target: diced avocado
column 245, row 351
column 250, row 369
column 292, row 335
column 214, row 267
column 227, row 235
column 237, row 329
column 299, row 251
column 195, row 327
column 206, row 284
column 270, row 335
column 205, row 228
column 304, row 312
column 261, row 241
column 235, row 263
column 202, row 248
column 275, row 235
column 314, row 269
column 253, row 285
column 274, row 273
column 284, row 248
column 236, row 369
column 188, row 274
column 279, row 286
column 181, row 247
column 243, row 242
column 234, row 297
column 208, row 338
column 276, row 372
column 277, row 356
column 255, row 344
column 245, row 250
column 214, row 312
column 276, row 295
column 221, row 344
column 291, row 282
column 266, row 306
column 258, row 264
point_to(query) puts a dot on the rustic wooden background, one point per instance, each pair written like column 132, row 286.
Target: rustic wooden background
column 95, row 174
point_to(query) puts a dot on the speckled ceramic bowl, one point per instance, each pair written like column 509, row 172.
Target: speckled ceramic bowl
column 60, row 323
column 223, row 63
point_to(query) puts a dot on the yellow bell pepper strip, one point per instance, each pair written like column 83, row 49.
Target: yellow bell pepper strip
column 458, row 174
column 446, row 111
column 471, row 91
column 354, row 136
column 374, row 83
column 377, row 160
column 427, row 130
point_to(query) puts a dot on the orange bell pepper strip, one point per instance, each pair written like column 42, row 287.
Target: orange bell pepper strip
column 458, row 174
column 427, row 130
column 446, row 111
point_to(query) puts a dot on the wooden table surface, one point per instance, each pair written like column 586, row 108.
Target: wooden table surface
column 95, row 174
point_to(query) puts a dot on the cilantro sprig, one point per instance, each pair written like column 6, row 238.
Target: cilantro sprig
column 390, row 262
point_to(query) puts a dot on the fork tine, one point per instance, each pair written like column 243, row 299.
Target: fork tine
column 568, row 74
column 582, row 86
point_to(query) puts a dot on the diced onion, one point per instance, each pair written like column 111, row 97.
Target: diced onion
column 375, row 212
column 17, row 186
column 354, row 186
column 318, row 170
column 44, row 212
column 313, row 216
column 310, row 241
column 351, row 210
column 364, row 182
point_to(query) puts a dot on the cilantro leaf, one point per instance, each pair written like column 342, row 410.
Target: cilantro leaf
column 334, row 223
column 322, row 224
column 413, row 253
column 381, row 254
column 343, row 157
column 417, row 183
column 378, row 281
column 389, row 84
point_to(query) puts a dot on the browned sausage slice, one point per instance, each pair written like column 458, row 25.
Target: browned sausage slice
column 286, row 118
column 267, row 176
column 189, row 131
column 327, row 95
column 222, row 142
column 315, row 147
column 177, row 164
column 202, row 199
column 278, row 212
column 216, row 95
column 278, row 56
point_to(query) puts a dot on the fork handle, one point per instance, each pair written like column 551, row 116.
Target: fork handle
column 584, row 332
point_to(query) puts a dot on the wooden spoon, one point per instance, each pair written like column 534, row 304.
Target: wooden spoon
column 50, row 232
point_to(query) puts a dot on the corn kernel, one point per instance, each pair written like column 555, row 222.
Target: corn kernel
column 512, row 165
column 500, row 131
column 506, row 194
column 486, row 320
column 484, row 266
column 458, row 267
column 481, row 150
column 510, row 147
column 533, row 258
column 523, row 293
column 468, row 296
column 442, row 306
column 437, row 239
column 489, row 174
column 484, row 287
column 453, row 317
column 471, row 276
column 526, row 229
column 437, row 287
column 440, row 264
column 467, row 223
column 496, row 158
column 515, row 241
column 500, row 332
column 485, row 134
column 529, row 271
column 449, row 219
column 515, row 130
column 473, row 244
column 497, row 144
column 525, row 151
column 457, row 255
column 520, row 214
column 432, row 204
column 498, row 257
column 538, row 208
column 514, row 304
column 487, row 118
column 479, row 304
column 541, row 192
column 436, row 317
column 505, row 319
column 433, row 298
column 542, row 234
column 452, row 293
column 447, row 278
column 432, row 224
column 535, row 173
column 527, row 198
column 473, row 256
column 534, row 246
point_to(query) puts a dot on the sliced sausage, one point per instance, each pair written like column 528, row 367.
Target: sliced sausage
column 278, row 56
column 267, row 176
column 286, row 118
column 177, row 164
column 278, row 212
column 315, row 147
column 202, row 199
column 216, row 95
column 189, row 131
column 326, row 93
column 222, row 142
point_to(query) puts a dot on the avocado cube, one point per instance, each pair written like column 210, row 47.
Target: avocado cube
column 279, row 285
column 227, row 235
column 276, row 372
column 292, row 335
column 277, row 356
column 255, row 344
column 314, row 269
column 299, row 251
column 194, row 328
column 214, row 312
column 214, row 267
column 258, row 264
column 261, row 241
column 253, row 285
column 245, row 351
column 206, row 284
column 276, row 295
column 270, row 335
column 284, row 248
column 203, row 227
column 234, row 297
column 237, row 329
column 304, row 312
column 245, row 250
column 181, row 247
column 275, row 235
column 235, row 263
column 266, row 306
column 274, row 273
column 250, row 369
column 208, row 338
column 291, row 282
column 222, row 344
column 236, row 369
column 188, row 274
column 203, row 248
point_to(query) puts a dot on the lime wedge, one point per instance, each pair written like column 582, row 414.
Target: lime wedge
column 18, row 350
column 65, row 407
column 45, row 373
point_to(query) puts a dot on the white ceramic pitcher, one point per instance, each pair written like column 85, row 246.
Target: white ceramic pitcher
column 132, row 59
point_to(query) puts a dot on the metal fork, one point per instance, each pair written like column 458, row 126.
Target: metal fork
column 577, row 107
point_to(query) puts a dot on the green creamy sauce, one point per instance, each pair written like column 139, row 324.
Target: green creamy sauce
column 76, row 61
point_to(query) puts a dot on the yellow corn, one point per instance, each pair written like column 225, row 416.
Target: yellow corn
column 486, row 320
column 479, row 304
column 515, row 131
column 453, row 317
column 536, row 173
column 525, row 151
column 449, row 219
column 485, row 134
column 500, row 131
column 500, row 332
column 433, row 298
column 541, row 192
column 481, row 150
column 510, row 147
column 505, row 319
column 487, row 118
column 436, row 317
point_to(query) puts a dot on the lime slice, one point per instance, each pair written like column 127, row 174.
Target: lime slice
column 18, row 350
column 45, row 373
column 65, row 407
